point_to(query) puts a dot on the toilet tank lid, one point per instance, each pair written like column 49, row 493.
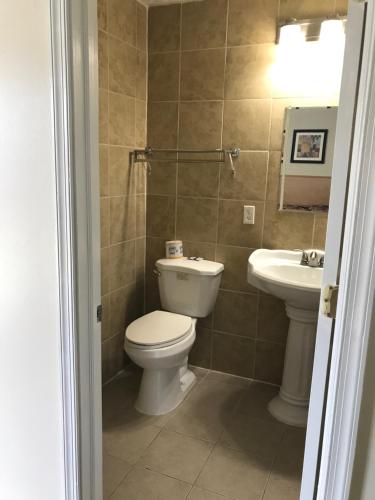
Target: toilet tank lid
column 184, row 265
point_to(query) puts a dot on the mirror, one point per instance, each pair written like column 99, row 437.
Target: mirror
column 306, row 165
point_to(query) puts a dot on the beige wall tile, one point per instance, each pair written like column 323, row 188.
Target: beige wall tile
column 236, row 313
column 198, row 179
column 140, row 123
column 196, row 219
column 273, row 177
column 104, row 221
column 103, row 59
column 125, row 306
column 204, row 24
column 341, row 7
column 141, row 27
column 122, row 20
column 123, row 218
column 102, row 15
column 247, row 124
column 250, row 179
column 200, row 354
column 273, row 322
column 200, row 125
column 233, row 354
column 122, row 67
column 235, row 260
column 252, row 22
column 141, row 216
column 121, row 176
column 163, row 178
column 232, row 230
column 199, row 249
column 152, row 298
column 163, row 76
column 121, row 120
column 106, row 317
column 247, row 73
column 155, row 249
column 104, row 170
column 103, row 117
column 141, row 76
column 104, row 270
column 122, row 264
column 269, row 362
column 320, row 230
column 162, row 125
column 306, row 9
column 140, row 259
column 202, row 74
column 287, row 229
column 164, row 28
column 161, row 216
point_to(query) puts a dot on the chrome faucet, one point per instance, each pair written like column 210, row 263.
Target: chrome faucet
column 312, row 258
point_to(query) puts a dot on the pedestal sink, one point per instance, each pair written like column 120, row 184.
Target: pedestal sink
column 279, row 273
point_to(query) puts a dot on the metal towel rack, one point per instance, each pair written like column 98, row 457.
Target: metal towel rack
column 146, row 156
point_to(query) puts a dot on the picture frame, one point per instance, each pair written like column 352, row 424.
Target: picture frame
column 309, row 146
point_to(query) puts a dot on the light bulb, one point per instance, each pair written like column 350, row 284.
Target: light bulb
column 331, row 31
column 290, row 34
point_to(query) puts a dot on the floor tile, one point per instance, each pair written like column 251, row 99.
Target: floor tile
column 279, row 488
column 235, row 474
column 177, row 456
column 143, row 484
column 129, row 441
column 199, row 494
column 258, row 436
column 289, row 460
column 205, row 414
column 114, row 471
column 256, row 399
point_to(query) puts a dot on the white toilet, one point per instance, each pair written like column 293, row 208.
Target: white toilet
column 160, row 341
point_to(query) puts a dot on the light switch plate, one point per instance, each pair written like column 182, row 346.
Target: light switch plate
column 249, row 214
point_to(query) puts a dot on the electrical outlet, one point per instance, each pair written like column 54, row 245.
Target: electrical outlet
column 249, row 214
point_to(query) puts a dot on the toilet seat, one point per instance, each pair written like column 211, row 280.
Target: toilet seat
column 158, row 329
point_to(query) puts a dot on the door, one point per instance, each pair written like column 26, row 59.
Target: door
column 336, row 220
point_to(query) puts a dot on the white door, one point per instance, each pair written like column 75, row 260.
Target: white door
column 336, row 220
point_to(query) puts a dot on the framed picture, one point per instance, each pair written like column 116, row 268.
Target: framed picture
column 309, row 146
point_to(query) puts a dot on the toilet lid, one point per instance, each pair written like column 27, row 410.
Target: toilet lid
column 158, row 327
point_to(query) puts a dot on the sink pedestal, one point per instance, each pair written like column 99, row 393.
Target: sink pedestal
column 291, row 405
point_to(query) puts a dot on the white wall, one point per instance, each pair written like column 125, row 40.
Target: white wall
column 31, row 452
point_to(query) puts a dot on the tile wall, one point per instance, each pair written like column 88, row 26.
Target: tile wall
column 122, row 44
column 209, row 87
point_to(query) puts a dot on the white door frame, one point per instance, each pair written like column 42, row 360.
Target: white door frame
column 356, row 296
column 74, row 39
column 75, row 76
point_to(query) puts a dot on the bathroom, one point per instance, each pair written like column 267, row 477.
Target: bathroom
column 203, row 75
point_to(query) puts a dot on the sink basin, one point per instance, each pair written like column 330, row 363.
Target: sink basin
column 279, row 273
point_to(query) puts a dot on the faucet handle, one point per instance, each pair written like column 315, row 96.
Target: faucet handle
column 304, row 258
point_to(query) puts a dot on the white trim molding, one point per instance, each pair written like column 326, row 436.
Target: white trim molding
column 356, row 296
column 75, row 76
column 66, row 245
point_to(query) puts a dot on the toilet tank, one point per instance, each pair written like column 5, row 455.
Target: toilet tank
column 189, row 287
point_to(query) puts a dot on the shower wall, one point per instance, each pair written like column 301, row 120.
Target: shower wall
column 122, row 44
column 210, row 87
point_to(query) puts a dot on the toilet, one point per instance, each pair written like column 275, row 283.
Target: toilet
column 160, row 341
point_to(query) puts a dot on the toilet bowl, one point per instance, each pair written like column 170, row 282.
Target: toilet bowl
column 159, row 342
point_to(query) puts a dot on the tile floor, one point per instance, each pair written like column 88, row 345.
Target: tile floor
column 220, row 444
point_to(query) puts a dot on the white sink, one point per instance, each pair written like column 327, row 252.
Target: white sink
column 279, row 273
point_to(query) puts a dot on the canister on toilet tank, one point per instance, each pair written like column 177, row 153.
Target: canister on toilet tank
column 174, row 249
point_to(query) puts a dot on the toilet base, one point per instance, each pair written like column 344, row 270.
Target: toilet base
column 161, row 391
